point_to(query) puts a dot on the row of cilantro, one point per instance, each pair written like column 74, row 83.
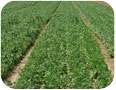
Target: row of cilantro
column 20, row 28
column 101, row 19
column 66, row 56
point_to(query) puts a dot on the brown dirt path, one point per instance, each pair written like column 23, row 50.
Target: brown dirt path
column 13, row 75
column 102, row 3
column 17, row 69
column 109, row 61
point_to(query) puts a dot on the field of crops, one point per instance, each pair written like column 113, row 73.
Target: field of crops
column 102, row 22
column 20, row 28
column 66, row 55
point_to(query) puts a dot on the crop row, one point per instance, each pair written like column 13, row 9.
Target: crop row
column 20, row 27
column 66, row 56
column 101, row 20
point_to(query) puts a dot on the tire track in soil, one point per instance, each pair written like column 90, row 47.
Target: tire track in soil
column 13, row 75
column 108, row 60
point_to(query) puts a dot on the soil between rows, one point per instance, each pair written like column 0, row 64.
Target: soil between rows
column 17, row 69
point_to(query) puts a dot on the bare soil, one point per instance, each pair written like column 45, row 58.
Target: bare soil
column 67, row 86
column 17, row 69
column 13, row 75
column 109, row 61
column 84, row 20
column 93, row 84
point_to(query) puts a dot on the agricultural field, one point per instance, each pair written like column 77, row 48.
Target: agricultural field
column 101, row 22
column 65, row 54
column 20, row 28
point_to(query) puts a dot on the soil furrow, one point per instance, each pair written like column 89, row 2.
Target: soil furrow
column 84, row 20
column 13, row 75
column 17, row 69
column 93, row 84
column 109, row 61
